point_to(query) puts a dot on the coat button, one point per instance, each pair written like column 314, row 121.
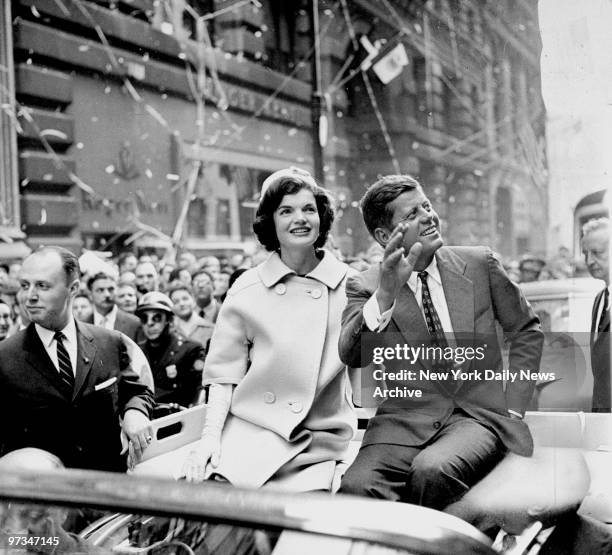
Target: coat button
column 269, row 397
column 316, row 293
column 436, row 425
column 295, row 406
column 281, row 289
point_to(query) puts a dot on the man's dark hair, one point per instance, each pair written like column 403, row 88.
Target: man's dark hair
column 178, row 286
column 83, row 294
column 124, row 256
column 96, row 277
column 263, row 226
column 70, row 263
column 375, row 202
column 200, row 272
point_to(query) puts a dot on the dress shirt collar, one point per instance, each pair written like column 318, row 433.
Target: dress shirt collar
column 329, row 271
column 48, row 336
column 111, row 317
column 433, row 272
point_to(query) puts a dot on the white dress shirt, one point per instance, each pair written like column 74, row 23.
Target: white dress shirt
column 50, row 344
column 378, row 322
column 107, row 321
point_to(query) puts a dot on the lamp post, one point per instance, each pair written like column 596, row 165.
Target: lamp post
column 318, row 129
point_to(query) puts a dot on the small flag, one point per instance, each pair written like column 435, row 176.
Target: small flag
column 391, row 64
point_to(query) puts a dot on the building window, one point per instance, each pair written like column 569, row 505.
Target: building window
column 419, row 73
column 285, row 19
column 224, row 203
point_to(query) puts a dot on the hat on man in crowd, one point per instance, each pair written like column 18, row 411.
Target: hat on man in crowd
column 154, row 300
column 530, row 267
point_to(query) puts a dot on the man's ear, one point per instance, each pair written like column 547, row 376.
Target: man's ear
column 74, row 287
column 382, row 236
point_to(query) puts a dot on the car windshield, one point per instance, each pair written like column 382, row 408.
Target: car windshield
column 126, row 515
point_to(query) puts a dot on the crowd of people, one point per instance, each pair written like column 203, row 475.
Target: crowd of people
column 271, row 340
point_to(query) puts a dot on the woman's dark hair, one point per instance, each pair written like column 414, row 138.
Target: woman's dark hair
column 263, row 226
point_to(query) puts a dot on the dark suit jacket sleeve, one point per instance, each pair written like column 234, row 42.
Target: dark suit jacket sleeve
column 353, row 321
column 521, row 329
column 127, row 324
column 133, row 393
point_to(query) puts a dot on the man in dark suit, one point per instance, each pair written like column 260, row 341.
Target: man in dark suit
column 595, row 245
column 65, row 385
column 429, row 450
column 106, row 313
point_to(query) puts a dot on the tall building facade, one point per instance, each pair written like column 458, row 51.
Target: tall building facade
column 138, row 122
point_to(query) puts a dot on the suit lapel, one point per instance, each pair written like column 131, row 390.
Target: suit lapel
column 37, row 357
column 458, row 290
column 408, row 318
column 594, row 312
column 86, row 352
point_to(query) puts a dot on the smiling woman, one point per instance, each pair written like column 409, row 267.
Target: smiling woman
column 288, row 415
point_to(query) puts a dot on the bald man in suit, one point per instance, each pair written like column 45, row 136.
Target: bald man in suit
column 67, row 387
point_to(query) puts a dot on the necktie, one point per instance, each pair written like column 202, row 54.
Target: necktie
column 63, row 361
column 438, row 339
column 604, row 319
column 431, row 316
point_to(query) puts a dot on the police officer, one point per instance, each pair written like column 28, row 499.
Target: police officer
column 176, row 362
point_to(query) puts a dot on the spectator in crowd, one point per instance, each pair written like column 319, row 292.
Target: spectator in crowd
column 187, row 261
column 212, row 265
column 186, row 321
column 237, row 260
column 207, row 306
column 221, row 285
column 181, row 275
column 147, row 278
column 6, row 319
column 165, row 276
column 14, row 269
column 530, row 268
column 64, row 386
column 595, row 247
column 106, row 313
column 127, row 262
column 128, row 277
column 430, row 449
column 561, row 266
column 176, row 362
column 126, row 296
column 283, row 316
column 82, row 306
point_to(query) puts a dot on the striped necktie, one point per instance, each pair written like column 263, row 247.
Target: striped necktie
column 436, row 331
column 434, row 326
column 604, row 319
column 63, row 361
